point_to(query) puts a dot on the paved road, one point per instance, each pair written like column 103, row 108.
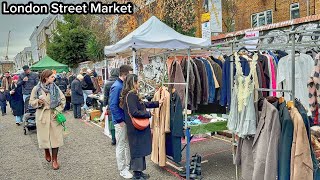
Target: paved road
column 88, row 154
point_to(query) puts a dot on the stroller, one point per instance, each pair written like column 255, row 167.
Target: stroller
column 29, row 118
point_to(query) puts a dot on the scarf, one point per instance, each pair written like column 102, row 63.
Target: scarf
column 53, row 90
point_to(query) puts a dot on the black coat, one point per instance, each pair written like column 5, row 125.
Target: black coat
column 16, row 100
column 140, row 142
column 173, row 139
column 76, row 92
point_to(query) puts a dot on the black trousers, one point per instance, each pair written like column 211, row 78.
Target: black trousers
column 77, row 110
column 138, row 164
column 3, row 108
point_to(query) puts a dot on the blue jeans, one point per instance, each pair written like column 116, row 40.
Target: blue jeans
column 25, row 97
column 19, row 119
column 85, row 96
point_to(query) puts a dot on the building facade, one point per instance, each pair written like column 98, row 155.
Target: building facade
column 24, row 57
column 256, row 13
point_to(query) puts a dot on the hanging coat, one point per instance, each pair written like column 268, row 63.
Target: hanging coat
column 197, row 87
column 191, row 87
column 173, row 139
column 16, row 100
column 301, row 162
column 176, row 76
column 204, row 81
column 49, row 132
column 160, row 126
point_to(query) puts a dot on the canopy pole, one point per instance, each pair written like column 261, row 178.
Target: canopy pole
column 105, row 71
column 186, row 119
column 134, row 61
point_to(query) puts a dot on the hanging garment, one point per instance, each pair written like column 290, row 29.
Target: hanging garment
column 211, row 83
column 176, row 76
column 173, row 139
column 301, row 163
column 259, row 77
column 272, row 73
column 204, row 81
column 285, row 142
column 197, row 88
column 242, row 119
column 264, row 62
column 258, row 156
column 303, row 113
column 160, row 126
column 303, row 68
column 218, row 74
column 191, row 87
column 225, row 98
column 314, row 90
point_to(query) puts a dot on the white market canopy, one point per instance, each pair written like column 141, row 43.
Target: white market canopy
column 153, row 37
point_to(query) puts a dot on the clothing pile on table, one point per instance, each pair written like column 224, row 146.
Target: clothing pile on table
column 202, row 119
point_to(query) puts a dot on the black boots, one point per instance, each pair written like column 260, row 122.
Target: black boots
column 139, row 175
column 195, row 168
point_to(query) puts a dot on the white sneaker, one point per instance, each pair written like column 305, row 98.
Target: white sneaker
column 126, row 174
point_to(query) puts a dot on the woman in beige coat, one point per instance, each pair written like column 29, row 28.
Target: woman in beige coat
column 48, row 99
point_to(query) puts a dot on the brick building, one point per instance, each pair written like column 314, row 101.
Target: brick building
column 255, row 13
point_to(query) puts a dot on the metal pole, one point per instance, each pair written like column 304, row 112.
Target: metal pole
column 186, row 119
column 293, row 66
column 105, row 71
column 134, row 61
column 231, row 84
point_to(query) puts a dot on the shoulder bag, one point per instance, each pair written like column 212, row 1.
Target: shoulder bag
column 138, row 123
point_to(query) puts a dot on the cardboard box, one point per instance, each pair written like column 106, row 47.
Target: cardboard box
column 95, row 114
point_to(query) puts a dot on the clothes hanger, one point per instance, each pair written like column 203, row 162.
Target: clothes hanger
column 281, row 100
column 290, row 104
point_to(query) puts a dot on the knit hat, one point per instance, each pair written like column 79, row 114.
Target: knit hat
column 15, row 77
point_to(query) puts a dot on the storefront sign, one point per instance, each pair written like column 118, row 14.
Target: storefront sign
column 215, row 10
column 251, row 34
column 205, row 17
column 206, row 31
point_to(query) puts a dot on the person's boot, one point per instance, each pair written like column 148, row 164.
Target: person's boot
column 55, row 164
column 47, row 155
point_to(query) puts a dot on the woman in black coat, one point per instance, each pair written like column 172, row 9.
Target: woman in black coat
column 140, row 141
column 77, row 96
column 16, row 99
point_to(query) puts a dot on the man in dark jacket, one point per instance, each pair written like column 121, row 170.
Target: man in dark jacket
column 122, row 147
column 28, row 80
column 114, row 76
column 61, row 83
column 87, row 87
column 77, row 96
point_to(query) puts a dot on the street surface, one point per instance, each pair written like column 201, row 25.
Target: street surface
column 88, row 154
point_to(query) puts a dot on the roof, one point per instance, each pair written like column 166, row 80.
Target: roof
column 154, row 36
column 49, row 63
column 269, row 26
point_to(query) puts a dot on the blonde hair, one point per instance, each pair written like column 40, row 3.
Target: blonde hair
column 80, row 77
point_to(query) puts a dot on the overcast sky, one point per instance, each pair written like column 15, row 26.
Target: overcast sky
column 21, row 27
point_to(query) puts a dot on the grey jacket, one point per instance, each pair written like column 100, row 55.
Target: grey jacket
column 258, row 155
column 27, row 86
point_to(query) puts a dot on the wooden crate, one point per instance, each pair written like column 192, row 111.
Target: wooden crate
column 94, row 114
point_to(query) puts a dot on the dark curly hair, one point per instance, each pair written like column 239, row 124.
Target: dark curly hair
column 128, row 87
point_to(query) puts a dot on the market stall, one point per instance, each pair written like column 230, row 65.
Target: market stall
column 151, row 38
column 48, row 63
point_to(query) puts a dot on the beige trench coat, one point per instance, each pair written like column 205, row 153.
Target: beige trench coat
column 160, row 126
column 49, row 132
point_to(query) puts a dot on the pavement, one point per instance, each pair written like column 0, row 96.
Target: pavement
column 88, row 154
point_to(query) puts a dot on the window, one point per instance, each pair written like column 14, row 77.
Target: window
column 294, row 11
column 262, row 18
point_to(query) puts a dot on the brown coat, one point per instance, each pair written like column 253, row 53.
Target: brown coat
column 176, row 76
column 204, row 81
column 6, row 82
column 184, row 66
column 301, row 162
column 49, row 133
column 197, row 88
column 160, row 126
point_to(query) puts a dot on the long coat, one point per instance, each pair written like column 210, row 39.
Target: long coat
column 259, row 155
column 49, row 132
column 16, row 100
column 160, row 126
column 76, row 92
column 139, row 140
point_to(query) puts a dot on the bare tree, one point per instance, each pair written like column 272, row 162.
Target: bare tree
column 229, row 8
